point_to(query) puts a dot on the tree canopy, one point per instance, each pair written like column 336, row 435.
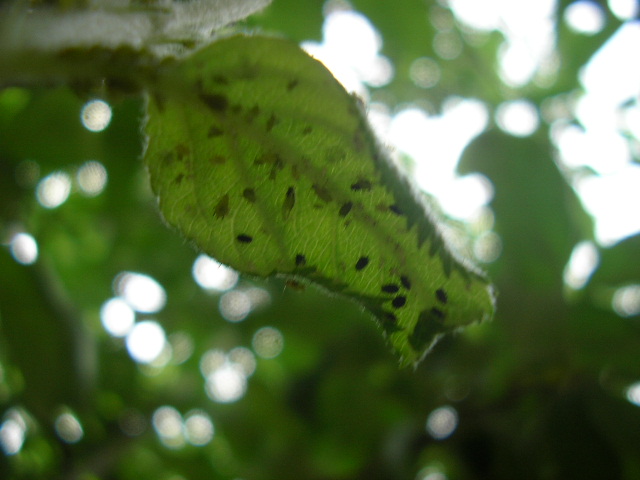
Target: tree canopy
column 128, row 351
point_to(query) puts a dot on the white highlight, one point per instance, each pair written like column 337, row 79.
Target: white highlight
column 442, row 422
column 53, row 190
column 210, row 274
column 626, row 301
column 92, row 178
column 198, row 428
column 96, row 115
column 12, row 432
column 268, row 342
column 624, row 9
column 117, row 317
column 633, row 394
column 167, row 422
column 613, row 200
column 141, row 292
column 68, row 428
column 235, row 306
column 146, row 341
column 585, row 17
column 582, row 263
column 350, row 49
column 24, row 248
column 227, row 383
column 518, row 118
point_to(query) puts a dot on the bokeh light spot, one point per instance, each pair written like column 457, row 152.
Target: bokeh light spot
column 585, row 16
column 146, row 341
column 633, row 393
column 198, row 428
column 167, row 422
column 582, row 263
column 210, row 274
column 447, row 45
column 235, row 305
column 117, row 317
column 626, row 301
column 424, row 72
column 141, row 292
column 24, row 248
column 96, row 115
column 488, row 247
column 624, row 9
column 92, row 178
column 53, row 190
column 442, row 422
column 268, row 342
column 211, row 360
column 518, row 118
column 227, row 383
column 182, row 347
column 12, row 432
column 68, row 428
column 244, row 358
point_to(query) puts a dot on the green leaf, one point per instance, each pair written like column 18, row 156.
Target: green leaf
column 259, row 156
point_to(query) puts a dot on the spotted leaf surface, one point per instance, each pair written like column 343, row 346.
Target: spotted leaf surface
column 259, row 156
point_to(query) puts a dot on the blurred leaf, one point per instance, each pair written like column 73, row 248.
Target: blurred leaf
column 41, row 338
column 619, row 264
column 538, row 215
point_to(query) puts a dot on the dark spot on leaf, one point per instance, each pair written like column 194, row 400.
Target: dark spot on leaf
column 217, row 160
column 395, row 209
column 345, row 209
column 289, row 201
column 220, row 80
column 249, row 194
column 252, row 113
column 307, row 130
column 406, row 283
column 214, row 132
column 436, row 312
column 168, row 157
column 216, row 102
column 244, row 238
column 442, row 296
column 322, row 192
column 389, row 323
column 427, row 329
column 362, row 262
column 272, row 122
column 222, row 207
column 182, row 151
column 301, row 260
column 399, row 301
column 292, row 84
column 272, row 159
column 390, row 288
column 295, row 285
column 361, row 184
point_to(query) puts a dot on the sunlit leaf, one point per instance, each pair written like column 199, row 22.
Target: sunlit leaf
column 260, row 156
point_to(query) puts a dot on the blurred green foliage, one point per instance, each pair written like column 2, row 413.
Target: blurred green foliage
column 539, row 392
